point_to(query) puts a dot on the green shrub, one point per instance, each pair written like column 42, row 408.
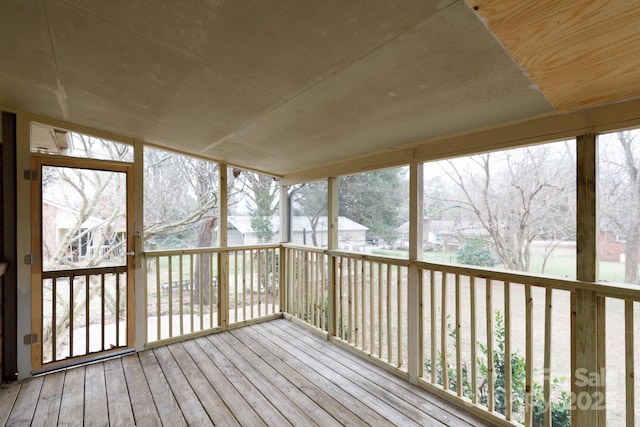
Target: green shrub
column 475, row 252
column 560, row 408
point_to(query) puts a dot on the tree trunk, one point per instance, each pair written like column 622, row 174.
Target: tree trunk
column 631, row 258
column 202, row 270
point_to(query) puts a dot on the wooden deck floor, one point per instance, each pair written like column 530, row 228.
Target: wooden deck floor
column 274, row 373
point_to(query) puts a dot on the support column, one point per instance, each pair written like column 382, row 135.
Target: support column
column 587, row 327
column 23, row 244
column 284, row 238
column 414, row 306
column 223, row 257
column 139, row 279
column 332, row 231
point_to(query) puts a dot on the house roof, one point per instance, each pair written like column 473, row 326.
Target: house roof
column 299, row 223
column 286, row 86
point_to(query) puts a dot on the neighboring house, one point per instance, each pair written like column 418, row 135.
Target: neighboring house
column 442, row 235
column 94, row 234
column 611, row 246
column 350, row 233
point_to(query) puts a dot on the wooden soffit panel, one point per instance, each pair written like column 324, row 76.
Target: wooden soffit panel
column 580, row 53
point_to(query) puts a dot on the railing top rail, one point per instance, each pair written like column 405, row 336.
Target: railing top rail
column 208, row 250
column 78, row 272
column 371, row 258
column 613, row 290
column 304, row 248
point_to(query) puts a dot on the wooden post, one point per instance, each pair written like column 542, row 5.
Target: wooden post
column 332, row 242
column 332, row 239
column 223, row 257
column 284, row 237
column 140, row 279
column 585, row 345
column 414, row 304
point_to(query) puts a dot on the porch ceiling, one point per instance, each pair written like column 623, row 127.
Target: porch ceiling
column 283, row 86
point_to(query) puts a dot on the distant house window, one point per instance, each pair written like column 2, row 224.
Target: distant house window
column 621, row 238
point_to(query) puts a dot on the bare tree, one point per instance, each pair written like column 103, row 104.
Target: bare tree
column 518, row 196
column 620, row 195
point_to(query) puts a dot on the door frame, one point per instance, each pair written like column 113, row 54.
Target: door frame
column 132, row 243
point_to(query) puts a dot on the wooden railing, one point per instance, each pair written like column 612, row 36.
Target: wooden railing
column 307, row 276
column 371, row 305
column 186, row 292
column 503, row 344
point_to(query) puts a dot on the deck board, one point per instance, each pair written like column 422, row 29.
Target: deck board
column 274, row 373
column 72, row 403
column 191, row 407
column 168, row 409
column 8, row 395
column 142, row 404
column 25, row 403
column 95, row 396
column 120, row 412
column 48, row 406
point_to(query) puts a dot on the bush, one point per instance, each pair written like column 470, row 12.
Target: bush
column 560, row 408
column 475, row 252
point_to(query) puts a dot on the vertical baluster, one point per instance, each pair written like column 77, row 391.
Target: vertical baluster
column 364, row 304
column 356, row 306
column 180, row 291
column 301, row 284
column 444, row 333
column 87, row 322
column 202, row 288
column 102, row 325
column 316, row 298
column 211, row 290
column 274, row 284
column 629, row 362
column 245, row 285
column 158, row 301
column 54, row 319
column 259, row 252
column 380, row 302
column 118, row 310
column 474, row 355
column 235, row 286
column 458, row 329
column 434, row 359
column 490, row 366
column 528, row 397
column 371, row 309
column 71, row 314
column 324, row 295
column 350, row 288
column 322, row 290
column 170, row 294
column 507, row 351
column 388, row 294
column 191, row 288
column 399, row 352
column 547, row 356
